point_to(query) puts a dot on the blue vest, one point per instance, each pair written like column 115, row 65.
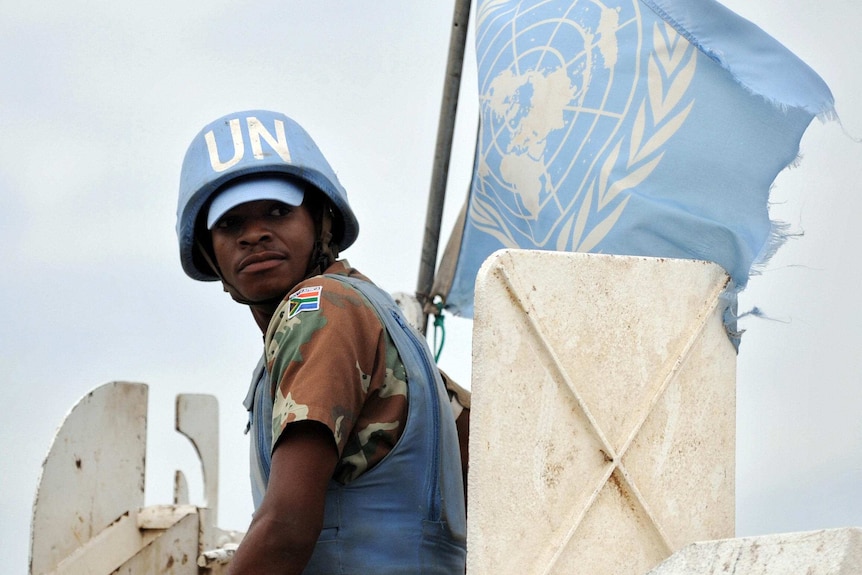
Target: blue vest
column 405, row 515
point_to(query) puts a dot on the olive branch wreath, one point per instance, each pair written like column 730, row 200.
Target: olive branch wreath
column 669, row 75
column 665, row 66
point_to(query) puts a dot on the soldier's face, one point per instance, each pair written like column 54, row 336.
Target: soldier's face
column 263, row 248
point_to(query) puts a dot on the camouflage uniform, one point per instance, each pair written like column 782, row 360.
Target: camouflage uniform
column 332, row 348
column 358, row 393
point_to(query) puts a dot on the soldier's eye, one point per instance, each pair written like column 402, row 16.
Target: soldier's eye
column 280, row 210
column 226, row 223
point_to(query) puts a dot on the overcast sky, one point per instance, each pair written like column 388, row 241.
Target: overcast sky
column 98, row 103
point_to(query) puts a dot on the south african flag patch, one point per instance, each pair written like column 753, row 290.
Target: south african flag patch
column 306, row 299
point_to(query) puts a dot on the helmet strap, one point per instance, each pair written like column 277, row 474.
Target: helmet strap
column 325, row 251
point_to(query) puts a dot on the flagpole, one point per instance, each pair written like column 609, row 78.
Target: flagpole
column 442, row 153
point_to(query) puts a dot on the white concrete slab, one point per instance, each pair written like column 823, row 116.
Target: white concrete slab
column 603, row 422
column 93, row 474
column 828, row 552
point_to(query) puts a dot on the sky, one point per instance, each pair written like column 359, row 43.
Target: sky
column 99, row 101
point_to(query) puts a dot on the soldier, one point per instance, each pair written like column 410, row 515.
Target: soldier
column 354, row 455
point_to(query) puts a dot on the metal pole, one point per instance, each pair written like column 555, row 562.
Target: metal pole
column 442, row 153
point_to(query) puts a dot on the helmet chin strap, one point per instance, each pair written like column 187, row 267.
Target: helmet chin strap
column 323, row 254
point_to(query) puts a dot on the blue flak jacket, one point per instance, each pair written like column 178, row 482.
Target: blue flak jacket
column 406, row 515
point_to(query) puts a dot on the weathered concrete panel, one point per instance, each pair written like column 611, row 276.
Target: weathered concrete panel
column 170, row 552
column 197, row 420
column 603, row 422
column 829, row 552
column 88, row 481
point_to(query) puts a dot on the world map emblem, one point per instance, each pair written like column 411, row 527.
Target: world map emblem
column 571, row 124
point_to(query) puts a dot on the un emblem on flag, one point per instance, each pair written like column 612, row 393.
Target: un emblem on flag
column 577, row 100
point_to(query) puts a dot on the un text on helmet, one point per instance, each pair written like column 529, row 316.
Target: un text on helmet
column 256, row 131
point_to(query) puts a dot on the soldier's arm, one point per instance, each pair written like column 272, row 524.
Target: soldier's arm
column 284, row 531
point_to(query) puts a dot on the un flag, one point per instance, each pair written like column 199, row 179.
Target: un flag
column 651, row 128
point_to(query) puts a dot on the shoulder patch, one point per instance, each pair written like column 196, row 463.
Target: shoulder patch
column 306, row 299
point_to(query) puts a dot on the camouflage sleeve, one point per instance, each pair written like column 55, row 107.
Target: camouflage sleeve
column 329, row 359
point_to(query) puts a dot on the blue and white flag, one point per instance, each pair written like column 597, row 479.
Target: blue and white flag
column 638, row 127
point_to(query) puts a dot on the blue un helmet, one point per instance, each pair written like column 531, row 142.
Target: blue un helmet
column 243, row 144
